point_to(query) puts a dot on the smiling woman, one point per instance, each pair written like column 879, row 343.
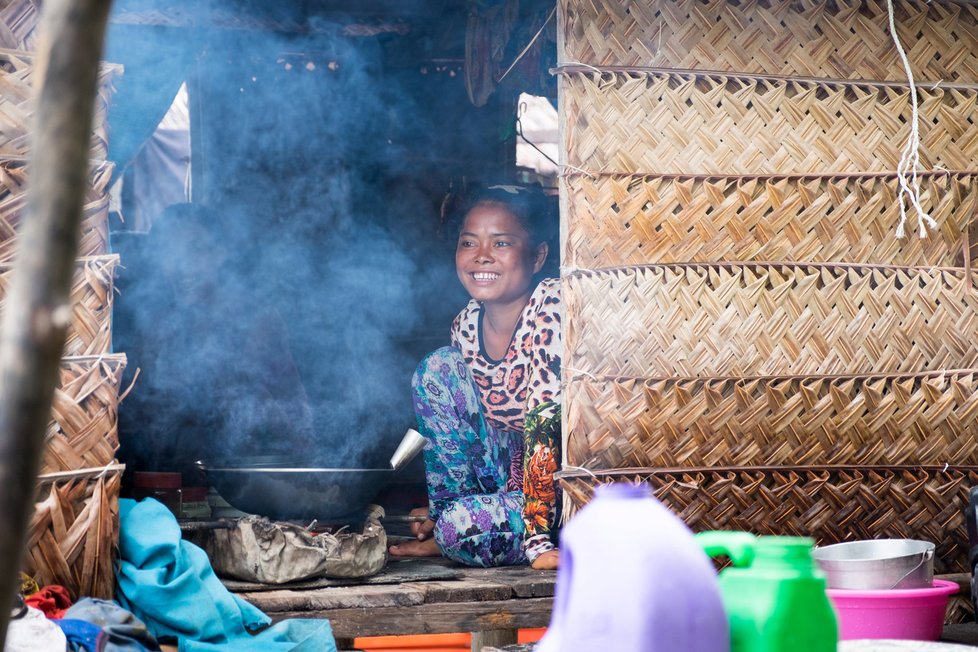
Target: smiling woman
column 489, row 405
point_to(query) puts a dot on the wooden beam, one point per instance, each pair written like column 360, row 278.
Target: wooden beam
column 431, row 618
column 327, row 17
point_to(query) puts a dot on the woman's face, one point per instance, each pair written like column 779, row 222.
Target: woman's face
column 495, row 259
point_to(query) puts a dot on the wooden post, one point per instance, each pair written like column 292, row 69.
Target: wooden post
column 38, row 309
column 493, row 638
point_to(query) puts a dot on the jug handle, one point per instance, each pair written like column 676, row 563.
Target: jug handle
column 738, row 546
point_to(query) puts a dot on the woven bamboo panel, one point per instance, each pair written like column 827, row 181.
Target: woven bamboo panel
column 712, row 124
column 832, row 505
column 843, row 39
column 18, row 23
column 90, row 330
column 94, row 237
column 73, row 536
column 83, row 432
column 960, row 609
column 634, row 220
column 756, row 319
column 17, row 105
column 912, row 419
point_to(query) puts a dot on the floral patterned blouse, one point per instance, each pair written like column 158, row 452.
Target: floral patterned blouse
column 521, row 393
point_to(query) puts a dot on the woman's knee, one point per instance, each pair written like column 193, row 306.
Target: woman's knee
column 444, row 367
column 436, row 362
column 475, row 539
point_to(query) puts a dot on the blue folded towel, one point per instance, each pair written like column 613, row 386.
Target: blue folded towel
column 169, row 584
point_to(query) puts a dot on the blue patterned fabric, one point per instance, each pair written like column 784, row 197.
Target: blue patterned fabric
column 478, row 516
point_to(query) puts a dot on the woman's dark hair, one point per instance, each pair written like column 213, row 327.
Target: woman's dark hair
column 534, row 210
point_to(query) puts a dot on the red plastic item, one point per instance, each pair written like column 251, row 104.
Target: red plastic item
column 195, row 494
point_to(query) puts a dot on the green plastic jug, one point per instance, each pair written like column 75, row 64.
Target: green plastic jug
column 774, row 593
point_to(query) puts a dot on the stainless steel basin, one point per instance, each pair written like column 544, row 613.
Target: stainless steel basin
column 878, row 564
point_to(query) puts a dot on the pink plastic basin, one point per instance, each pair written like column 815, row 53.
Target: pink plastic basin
column 915, row 614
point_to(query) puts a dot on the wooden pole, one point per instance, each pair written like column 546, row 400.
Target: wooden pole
column 38, row 309
column 493, row 638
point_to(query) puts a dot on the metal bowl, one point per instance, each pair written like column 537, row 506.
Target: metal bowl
column 878, row 564
column 270, row 488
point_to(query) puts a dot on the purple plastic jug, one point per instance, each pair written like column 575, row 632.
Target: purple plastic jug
column 633, row 579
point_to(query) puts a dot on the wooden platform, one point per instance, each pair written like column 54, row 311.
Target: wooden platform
column 417, row 596
column 434, row 596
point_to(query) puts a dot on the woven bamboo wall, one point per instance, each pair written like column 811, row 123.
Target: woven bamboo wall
column 94, row 236
column 83, row 433
column 634, row 220
column 744, row 330
column 90, row 329
column 74, row 528
column 18, row 24
column 815, row 38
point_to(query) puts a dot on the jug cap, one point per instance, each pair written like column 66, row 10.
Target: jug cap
column 786, row 549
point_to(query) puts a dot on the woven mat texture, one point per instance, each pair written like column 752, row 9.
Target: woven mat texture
column 83, row 432
column 841, row 39
column 831, row 505
column 717, row 124
column 634, row 220
column 73, row 535
column 739, row 319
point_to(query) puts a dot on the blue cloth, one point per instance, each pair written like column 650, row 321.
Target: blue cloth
column 82, row 635
column 122, row 631
column 169, row 584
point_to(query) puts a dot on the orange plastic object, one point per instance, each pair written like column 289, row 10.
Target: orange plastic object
column 433, row 642
column 415, row 643
column 531, row 635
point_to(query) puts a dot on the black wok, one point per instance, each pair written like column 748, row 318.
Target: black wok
column 279, row 491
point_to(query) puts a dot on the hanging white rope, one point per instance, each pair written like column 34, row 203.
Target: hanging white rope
column 910, row 157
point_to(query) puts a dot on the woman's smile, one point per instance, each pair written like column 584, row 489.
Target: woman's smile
column 484, row 277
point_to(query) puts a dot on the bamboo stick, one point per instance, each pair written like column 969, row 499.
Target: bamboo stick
column 37, row 312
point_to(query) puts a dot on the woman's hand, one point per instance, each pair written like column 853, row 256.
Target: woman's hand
column 423, row 531
column 546, row 561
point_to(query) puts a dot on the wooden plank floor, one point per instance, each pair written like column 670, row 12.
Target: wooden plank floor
column 434, row 596
column 418, row 599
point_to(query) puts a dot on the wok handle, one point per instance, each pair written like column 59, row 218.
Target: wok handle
column 404, row 519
